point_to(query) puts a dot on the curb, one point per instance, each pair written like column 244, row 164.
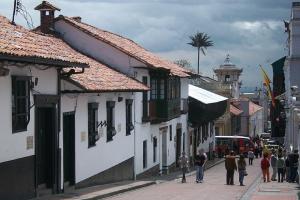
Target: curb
column 120, row 191
column 102, row 196
column 251, row 190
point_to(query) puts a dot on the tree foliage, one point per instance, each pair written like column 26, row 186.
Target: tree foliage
column 201, row 41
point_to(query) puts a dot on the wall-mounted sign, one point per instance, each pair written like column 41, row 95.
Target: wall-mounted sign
column 83, row 136
column 29, row 142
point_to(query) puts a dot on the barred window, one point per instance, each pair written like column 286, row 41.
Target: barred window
column 20, row 103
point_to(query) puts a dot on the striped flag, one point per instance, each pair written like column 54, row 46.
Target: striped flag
column 267, row 82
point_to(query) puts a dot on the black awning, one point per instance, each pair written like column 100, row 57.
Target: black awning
column 200, row 113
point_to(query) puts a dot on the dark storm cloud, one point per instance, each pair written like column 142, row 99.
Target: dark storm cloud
column 250, row 30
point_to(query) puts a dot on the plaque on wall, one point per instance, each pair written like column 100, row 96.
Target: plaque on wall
column 29, row 142
column 83, row 136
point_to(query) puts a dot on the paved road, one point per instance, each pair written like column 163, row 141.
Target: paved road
column 214, row 187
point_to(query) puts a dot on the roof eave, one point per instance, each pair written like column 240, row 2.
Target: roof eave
column 44, row 61
column 103, row 91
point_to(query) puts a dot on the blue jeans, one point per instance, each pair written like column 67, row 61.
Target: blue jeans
column 200, row 173
column 293, row 173
column 241, row 176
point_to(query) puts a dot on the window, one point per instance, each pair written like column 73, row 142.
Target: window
column 154, row 91
column 110, row 120
column 217, row 131
column 162, row 89
column 174, row 88
column 129, row 124
column 227, row 78
column 145, row 98
column 92, row 124
column 157, row 88
column 20, row 103
column 154, row 149
column 171, row 135
column 145, row 154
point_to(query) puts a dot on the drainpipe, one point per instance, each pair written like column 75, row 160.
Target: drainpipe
column 59, row 168
column 134, row 140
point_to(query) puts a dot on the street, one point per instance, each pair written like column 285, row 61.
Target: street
column 213, row 187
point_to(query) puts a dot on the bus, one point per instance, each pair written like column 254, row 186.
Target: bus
column 238, row 144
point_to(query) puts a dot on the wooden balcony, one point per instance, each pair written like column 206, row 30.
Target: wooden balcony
column 163, row 110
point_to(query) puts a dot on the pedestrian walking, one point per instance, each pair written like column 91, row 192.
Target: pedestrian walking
column 184, row 164
column 260, row 151
column 287, row 169
column 250, row 157
column 242, row 169
column 264, row 164
column 200, row 161
column 230, row 166
column 274, row 165
column 280, row 167
column 256, row 151
column 294, row 158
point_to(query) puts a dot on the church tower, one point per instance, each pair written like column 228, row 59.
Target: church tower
column 228, row 73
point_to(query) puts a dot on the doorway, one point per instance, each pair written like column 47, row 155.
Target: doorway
column 45, row 147
column 178, row 145
column 69, row 147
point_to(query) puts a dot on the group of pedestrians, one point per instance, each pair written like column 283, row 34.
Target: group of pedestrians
column 283, row 166
column 231, row 167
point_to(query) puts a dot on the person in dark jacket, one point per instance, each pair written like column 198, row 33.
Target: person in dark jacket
column 242, row 169
column 294, row 158
column 230, row 166
column 200, row 162
column 287, row 169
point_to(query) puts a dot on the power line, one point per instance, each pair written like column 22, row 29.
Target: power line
column 21, row 9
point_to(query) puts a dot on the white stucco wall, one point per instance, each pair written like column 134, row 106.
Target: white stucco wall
column 14, row 145
column 97, row 49
column 93, row 160
column 128, row 65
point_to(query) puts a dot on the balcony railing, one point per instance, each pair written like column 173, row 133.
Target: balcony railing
column 161, row 110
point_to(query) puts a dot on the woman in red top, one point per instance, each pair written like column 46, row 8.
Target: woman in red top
column 265, row 164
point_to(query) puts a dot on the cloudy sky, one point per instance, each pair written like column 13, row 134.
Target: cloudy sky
column 251, row 31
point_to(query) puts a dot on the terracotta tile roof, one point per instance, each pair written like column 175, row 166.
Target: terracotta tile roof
column 16, row 41
column 100, row 78
column 235, row 111
column 129, row 47
column 253, row 108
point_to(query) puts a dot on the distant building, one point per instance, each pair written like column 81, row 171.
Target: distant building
column 251, row 117
column 229, row 74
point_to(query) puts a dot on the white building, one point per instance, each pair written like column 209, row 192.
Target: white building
column 160, row 115
column 292, row 80
column 30, row 69
column 97, row 117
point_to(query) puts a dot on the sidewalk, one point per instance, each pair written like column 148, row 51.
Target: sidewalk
column 107, row 190
column 272, row 190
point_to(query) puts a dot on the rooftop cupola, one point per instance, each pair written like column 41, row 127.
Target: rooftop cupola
column 47, row 11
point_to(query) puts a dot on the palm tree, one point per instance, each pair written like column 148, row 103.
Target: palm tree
column 201, row 41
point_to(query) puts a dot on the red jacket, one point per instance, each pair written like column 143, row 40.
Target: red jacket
column 264, row 164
